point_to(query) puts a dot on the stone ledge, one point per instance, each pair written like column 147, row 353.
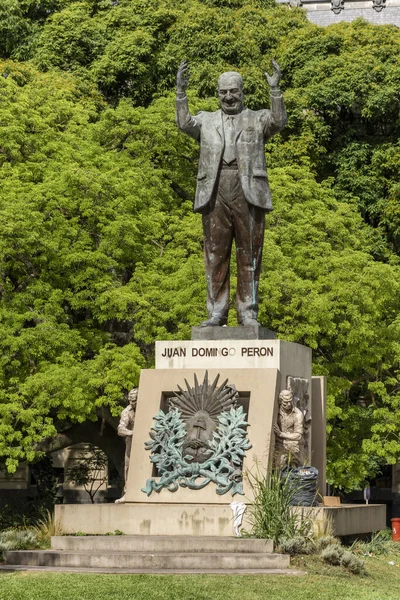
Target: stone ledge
column 153, row 571
column 348, row 519
column 148, row 560
column 233, row 333
column 202, row 519
column 160, row 543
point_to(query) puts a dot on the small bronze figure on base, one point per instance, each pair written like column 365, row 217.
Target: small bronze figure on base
column 125, row 429
column 289, row 433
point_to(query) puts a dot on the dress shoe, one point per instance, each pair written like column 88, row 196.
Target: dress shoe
column 250, row 323
column 213, row 322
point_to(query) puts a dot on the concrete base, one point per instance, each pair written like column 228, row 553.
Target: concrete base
column 203, row 520
column 154, row 554
column 348, row 519
column 232, row 333
column 10, row 568
column 160, row 543
column 147, row 519
column 137, row 560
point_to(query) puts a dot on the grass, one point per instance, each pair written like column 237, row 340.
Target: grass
column 323, row 582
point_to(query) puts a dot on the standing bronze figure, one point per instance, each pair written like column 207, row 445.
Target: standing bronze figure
column 125, row 429
column 232, row 192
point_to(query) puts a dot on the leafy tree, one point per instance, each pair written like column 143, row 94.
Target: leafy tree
column 70, row 38
column 71, row 221
column 100, row 253
column 91, row 472
column 14, row 28
column 344, row 102
column 21, row 23
column 322, row 287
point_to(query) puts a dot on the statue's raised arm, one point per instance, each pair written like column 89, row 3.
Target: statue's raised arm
column 276, row 119
column 275, row 78
column 182, row 78
column 185, row 121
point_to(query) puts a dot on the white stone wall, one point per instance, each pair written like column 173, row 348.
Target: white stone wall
column 321, row 13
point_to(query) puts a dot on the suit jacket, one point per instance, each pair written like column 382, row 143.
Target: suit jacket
column 253, row 129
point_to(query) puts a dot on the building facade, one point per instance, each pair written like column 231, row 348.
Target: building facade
column 328, row 12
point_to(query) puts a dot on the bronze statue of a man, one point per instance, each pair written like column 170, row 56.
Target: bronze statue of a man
column 125, row 429
column 232, row 192
column 289, row 433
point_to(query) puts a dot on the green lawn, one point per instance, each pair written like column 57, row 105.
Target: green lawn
column 321, row 583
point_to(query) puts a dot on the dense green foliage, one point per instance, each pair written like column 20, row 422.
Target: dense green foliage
column 100, row 253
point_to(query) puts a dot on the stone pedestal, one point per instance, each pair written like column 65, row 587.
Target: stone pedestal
column 255, row 332
column 259, row 367
column 258, row 390
column 289, row 358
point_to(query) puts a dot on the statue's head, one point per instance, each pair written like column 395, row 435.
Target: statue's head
column 132, row 397
column 230, row 92
column 286, row 400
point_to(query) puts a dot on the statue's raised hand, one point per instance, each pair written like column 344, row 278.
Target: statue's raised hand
column 274, row 79
column 182, row 77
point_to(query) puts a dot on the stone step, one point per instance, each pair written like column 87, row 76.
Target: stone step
column 160, row 543
column 11, row 568
column 155, row 561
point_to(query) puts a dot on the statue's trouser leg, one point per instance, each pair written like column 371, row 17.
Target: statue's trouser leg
column 128, row 446
column 218, row 236
column 230, row 215
column 249, row 224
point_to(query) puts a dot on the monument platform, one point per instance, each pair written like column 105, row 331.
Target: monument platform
column 257, row 369
column 155, row 554
column 203, row 520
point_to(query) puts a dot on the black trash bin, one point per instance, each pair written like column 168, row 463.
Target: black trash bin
column 305, row 485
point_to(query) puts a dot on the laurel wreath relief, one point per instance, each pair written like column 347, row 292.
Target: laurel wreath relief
column 226, row 450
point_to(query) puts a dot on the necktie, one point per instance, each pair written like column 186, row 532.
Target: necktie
column 230, row 149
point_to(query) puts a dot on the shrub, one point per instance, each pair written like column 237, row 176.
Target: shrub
column 324, row 542
column 352, row 563
column 297, row 545
column 270, row 513
column 380, row 543
column 333, row 554
column 20, row 513
column 336, row 555
column 46, row 527
column 19, row 539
